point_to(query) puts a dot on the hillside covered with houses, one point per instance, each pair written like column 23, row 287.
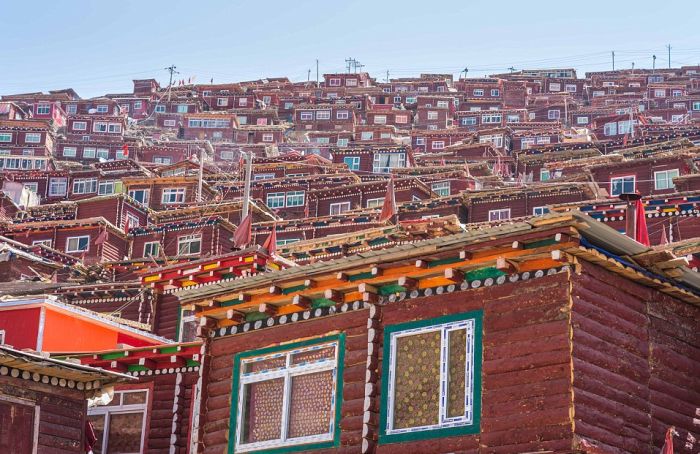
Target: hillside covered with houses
column 502, row 264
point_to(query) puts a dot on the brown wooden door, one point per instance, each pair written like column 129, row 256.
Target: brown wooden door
column 16, row 428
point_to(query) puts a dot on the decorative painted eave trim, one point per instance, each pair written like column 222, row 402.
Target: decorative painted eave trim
column 320, row 312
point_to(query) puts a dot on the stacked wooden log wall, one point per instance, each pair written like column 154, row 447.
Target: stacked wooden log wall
column 169, row 415
column 217, row 395
column 61, row 416
column 636, row 358
column 526, row 372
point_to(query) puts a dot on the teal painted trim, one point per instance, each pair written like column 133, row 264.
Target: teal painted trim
column 540, row 243
column 472, row 428
column 232, row 302
column 358, row 276
column 321, row 302
column 483, row 273
column 446, row 261
column 389, row 289
column 338, row 394
column 296, row 288
column 255, row 316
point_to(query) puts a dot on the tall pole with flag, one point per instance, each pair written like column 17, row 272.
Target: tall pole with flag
column 389, row 207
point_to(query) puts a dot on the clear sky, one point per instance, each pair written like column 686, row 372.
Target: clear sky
column 99, row 46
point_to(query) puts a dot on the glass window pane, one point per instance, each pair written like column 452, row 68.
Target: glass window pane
column 457, row 342
column 262, row 418
column 417, row 380
column 265, row 364
column 310, row 404
column 98, row 425
column 135, row 398
column 125, row 433
column 313, row 355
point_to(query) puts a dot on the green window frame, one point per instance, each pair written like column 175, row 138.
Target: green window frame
column 287, row 372
column 448, row 422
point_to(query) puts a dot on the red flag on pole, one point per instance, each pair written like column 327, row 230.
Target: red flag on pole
column 668, row 442
column 624, row 141
column 125, row 150
column 271, row 242
column 664, row 238
column 242, row 235
column 641, row 234
column 126, row 225
column 389, row 207
column 102, row 237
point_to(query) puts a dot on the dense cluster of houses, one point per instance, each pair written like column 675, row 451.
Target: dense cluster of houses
column 494, row 265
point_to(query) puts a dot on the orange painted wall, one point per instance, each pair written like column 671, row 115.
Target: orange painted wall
column 66, row 333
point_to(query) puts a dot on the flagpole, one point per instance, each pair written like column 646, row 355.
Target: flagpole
column 248, row 174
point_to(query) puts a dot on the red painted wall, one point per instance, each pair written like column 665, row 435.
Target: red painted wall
column 21, row 327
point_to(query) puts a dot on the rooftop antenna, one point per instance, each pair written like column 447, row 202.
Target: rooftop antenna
column 465, row 71
column 653, row 64
column 512, row 69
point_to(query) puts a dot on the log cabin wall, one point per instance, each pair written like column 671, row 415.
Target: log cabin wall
column 62, row 413
column 525, row 375
column 217, row 397
column 636, row 363
column 170, row 413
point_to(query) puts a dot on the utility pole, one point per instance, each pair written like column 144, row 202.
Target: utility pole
column 317, row 84
column 348, row 62
column 613, row 60
column 387, row 76
column 246, row 190
column 669, row 56
column 308, row 76
column 653, row 64
column 172, row 71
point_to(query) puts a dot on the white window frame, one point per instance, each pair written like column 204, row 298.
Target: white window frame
column 287, row 373
column 43, row 109
column 268, row 137
column 70, row 152
column 323, row 114
column 469, row 377
column 84, row 185
column 398, row 162
column 100, row 126
column 306, row 116
column 375, row 203
column 339, row 208
column 159, row 108
column 667, row 177
column 47, row 242
column 540, row 211
column 108, row 410
column 34, row 136
column 80, row 126
column 495, row 92
column 478, row 92
column 441, row 188
column 172, row 196
column 553, row 114
column 107, row 187
column 89, row 152
column 293, row 198
column 275, row 199
column 622, row 178
column 437, row 145
column 222, row 102
column 189, row 240
column 146, row 195
column 432, row 115
column 77, row 239
column 501, row 214
column 154, row 247
column 61, row 182
column 353, row 162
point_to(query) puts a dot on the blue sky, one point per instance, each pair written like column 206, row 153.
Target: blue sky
column 98, row 46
